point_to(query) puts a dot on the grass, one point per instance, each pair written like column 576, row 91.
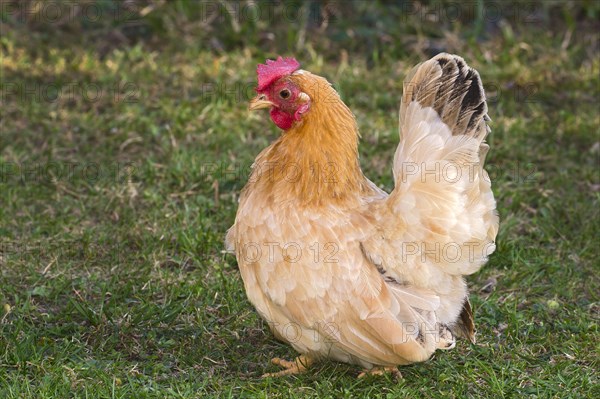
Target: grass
column 121, row 164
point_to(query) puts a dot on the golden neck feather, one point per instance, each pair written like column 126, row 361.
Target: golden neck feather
column 316, row 161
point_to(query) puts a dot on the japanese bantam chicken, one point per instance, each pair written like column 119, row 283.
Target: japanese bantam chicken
column 337, row 267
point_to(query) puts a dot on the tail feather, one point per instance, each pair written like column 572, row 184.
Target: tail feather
column 454, row 90
column 465, row 325
column 439, row 198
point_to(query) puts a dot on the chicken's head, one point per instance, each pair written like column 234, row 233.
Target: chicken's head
column 279, row 93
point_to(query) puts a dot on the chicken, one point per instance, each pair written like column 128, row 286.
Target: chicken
column 337, row 267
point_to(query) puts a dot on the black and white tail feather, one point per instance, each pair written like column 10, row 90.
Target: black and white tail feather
column 443, row 126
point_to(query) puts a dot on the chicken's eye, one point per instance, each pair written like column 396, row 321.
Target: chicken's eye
column 285, row 93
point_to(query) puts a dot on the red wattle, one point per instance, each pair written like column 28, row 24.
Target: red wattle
column 283, row 120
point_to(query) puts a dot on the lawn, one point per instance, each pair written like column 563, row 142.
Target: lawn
column 125, row 142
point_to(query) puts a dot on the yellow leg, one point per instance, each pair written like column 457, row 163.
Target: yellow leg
column 296, row 366
column 382, row 371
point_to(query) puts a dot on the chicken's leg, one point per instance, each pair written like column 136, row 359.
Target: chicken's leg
column 296, row 366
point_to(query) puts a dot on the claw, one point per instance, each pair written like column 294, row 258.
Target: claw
column 382, row 371
column 296, row 366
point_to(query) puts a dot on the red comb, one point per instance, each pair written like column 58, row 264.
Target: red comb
column 273, row 70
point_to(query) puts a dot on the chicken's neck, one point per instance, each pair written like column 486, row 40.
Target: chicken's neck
column 315, row 163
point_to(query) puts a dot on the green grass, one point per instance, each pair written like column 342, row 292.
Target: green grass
column 114, row 208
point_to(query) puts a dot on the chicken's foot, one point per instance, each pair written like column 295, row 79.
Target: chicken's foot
column 381, row 370
column 296, row 366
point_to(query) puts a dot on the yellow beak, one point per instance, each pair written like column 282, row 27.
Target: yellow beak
column 259, row 102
